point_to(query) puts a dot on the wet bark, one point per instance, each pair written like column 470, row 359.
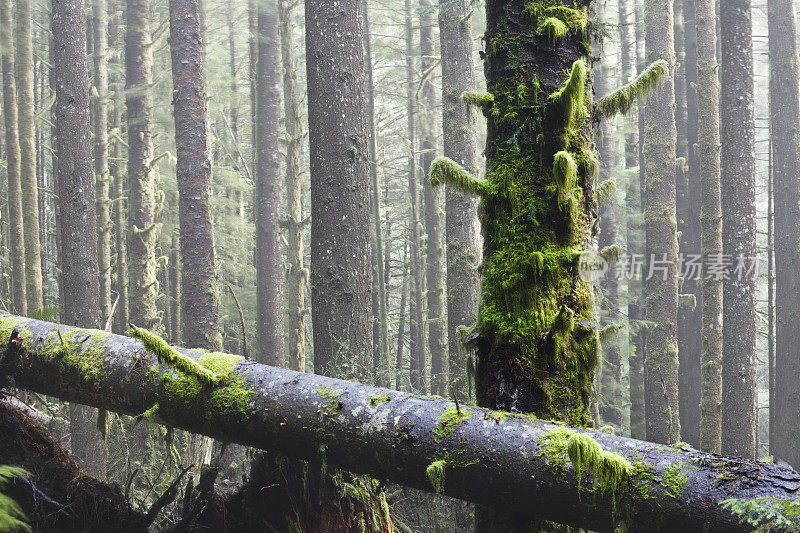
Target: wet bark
column 199, row 290
column 393, row 435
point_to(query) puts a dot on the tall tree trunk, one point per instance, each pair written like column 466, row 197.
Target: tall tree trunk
column 340, row 269
column 270, row 271
column 380, row 328
column 199, row 290
column 784, row 126
column 459, row 144
column 101, row 172
column 434, row 280
column 661, row 351
column 738, row 229
column 27, row 145
column 79, row 269
column 296, row 273
column 416, row 326
column 176, row 281
column 711, row 219
column 142, row 227
column 15, row 224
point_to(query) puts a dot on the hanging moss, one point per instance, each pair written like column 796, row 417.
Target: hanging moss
column 611, row 253
column 446, row 171
column 565, row 171
column 435, row 473
column 169, row 356
column 605, row 192
column 483, row 101
column 621, row 100
column 553, row 28
column 570, row 98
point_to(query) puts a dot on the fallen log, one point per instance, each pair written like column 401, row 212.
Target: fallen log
column 572, row 476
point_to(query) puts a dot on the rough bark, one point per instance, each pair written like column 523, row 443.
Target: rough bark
column 434, row 278
column 661, row 350
column 142, row 227
column 711, row 220
column 340, row 269
column 296, row 273
column 16, row 236
column 491, row 457
column 199, row 290
column 784, row 129
column 23, row 64
column 270, row 270
column 79, row 271
column 738, row 228
column 461, row 222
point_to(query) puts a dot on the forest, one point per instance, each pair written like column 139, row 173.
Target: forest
column 399, row 266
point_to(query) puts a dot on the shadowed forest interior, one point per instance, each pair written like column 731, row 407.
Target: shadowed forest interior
column 399, row 265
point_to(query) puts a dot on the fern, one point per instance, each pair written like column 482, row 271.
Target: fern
column 45, row 314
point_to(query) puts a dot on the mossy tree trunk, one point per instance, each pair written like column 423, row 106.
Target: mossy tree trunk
column 461, row 222
column 23, row 64
column 270, row 270
column 79, row 269
column 661, row 350
column 737, row 131
column 340, row 249
column 434, row 280
column 380, row 327
column 784, row 126
column 199, row 289
column 711, row 220
column 142, row 227
column 16, row 236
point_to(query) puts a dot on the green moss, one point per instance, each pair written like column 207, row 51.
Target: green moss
column 553, row 28
column 12, row 518
column 435, row 473
column 611, row 253
column 565, row 171
column 765, row 513
column 446, row 171
column 570, row 98
column 605, row 192
column 449, row 420
column 483, row 101
column 334, row 405
column 621, row 100
column 378, row 399
column 169, row 356
column 675, row 479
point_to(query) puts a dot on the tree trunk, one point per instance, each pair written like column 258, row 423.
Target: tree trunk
column 784, row 126
column 101, row 173
column 176, row 280
column 738, row 229
column 270, row 270
column 296, row 273
column 488, row 457
column 434, row 278
column 340, row 269
column 711, row 219
column 76, row 202
column 199, row 291
column 15, row 232
column 27, row 145
column 661, row 350
column 461, row 223
column 142, row 228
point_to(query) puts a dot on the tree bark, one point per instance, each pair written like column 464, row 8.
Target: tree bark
column 784, row 129
column 340, row 269
column 711, row 220
column 661, row 350
column 79, row 270
column 270, row 270
column 199, row 290
column 16, row 235
column 460, row 145
column 738, row 228
column 30, row 188
column 491, row 457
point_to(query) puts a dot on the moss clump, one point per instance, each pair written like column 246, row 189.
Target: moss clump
column 377, row 399
column 483, row 101
column 435, row 473
column 169, row 356
column 570, row 99
column 334, row 406
column 621, row 100
column 446, row 171
column 611, row 253
column 605, row 192
column 12, row 518
column 449, row 420
column 765, row 513
column 565, row 171
column 675, row 479
column 553, row 28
